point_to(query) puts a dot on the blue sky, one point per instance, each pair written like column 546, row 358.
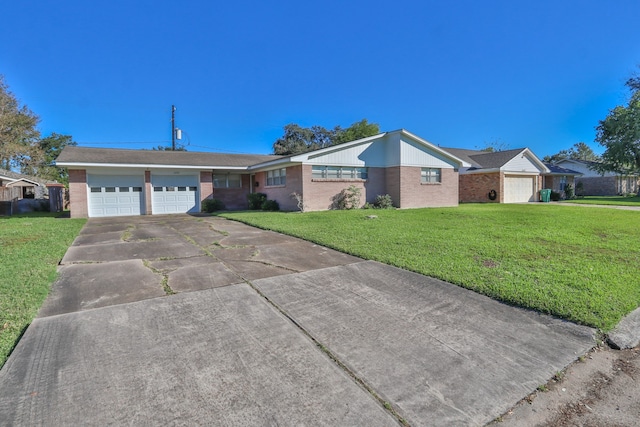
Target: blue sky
column 457, row 73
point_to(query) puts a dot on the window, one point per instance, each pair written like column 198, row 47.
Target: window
column 157, row 188
column 110, row 189
column 338, row 172
column 563, row 182
column 137, row 189
column 227, row 181
column 277, row 177
column 96, row 189
column 431, row 175
column 124, row 189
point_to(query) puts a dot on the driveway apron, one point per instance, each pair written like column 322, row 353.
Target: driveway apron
column 184, row 320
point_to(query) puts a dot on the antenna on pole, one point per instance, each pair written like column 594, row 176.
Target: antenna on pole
column 173, row 128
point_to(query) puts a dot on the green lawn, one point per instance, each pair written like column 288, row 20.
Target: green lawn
column 579, row 264
column 607, row 200
column 30, row 248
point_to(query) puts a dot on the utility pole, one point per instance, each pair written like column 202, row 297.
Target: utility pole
column 173, row 128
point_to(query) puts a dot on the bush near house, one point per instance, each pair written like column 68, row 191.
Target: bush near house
column 212, row 205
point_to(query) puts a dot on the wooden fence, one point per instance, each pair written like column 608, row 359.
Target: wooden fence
column 9, row 200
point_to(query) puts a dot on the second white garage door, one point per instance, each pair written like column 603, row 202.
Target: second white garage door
column 519, row 189
column 174, row 194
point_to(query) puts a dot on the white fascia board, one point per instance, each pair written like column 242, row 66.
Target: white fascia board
column 37, row 184
column 273, row 164
column 147, row 166
column 435, row 148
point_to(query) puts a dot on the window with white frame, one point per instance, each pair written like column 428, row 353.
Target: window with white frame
column 431, row 175
column 277, row 177
column 338, row 172
column 228, row 180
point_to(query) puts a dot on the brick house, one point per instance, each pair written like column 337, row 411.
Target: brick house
column 108, row 182
column 597, row 184
column 558, row 178
column 510, row 176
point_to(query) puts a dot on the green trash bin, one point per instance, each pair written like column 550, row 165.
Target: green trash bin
column 545, row 195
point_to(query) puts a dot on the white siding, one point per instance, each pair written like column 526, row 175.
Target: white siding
column 366, row 154
column 414, row 154
column 388, row 151
column 583, row 169
column 521, row 163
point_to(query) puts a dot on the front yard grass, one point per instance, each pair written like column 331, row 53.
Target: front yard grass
column 31, row 246
column 607, row 200
column 575, row 263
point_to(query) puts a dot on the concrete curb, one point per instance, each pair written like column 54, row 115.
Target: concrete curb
column 627, row 333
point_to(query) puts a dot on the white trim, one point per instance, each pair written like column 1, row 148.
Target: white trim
column 148, row 166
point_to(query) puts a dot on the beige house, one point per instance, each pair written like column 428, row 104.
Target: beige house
column 108, row 182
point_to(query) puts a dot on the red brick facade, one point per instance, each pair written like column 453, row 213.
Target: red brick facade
column 475, row 188
column 78, row 193
column 233, row 198
column 608, row 185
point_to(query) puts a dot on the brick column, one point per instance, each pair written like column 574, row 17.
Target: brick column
column 78, row 193
column 206, row 185
column 147, row 193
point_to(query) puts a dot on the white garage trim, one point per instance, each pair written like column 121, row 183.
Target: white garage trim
column 109, row 195
column 519, row 188
column 174, row 194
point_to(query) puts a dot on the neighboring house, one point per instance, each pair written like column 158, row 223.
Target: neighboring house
column 108, row 182
column 597, row 184
column 510, row 176
column 558, row 178
column 30, row 187
column 24, row 193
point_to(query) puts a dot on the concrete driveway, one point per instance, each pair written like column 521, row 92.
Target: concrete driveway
column 182, row 320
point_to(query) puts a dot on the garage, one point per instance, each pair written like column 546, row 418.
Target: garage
column 519, row 189
column 111, row 195
column 174, row 194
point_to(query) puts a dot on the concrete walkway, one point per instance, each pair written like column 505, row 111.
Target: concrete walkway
column 186, row 320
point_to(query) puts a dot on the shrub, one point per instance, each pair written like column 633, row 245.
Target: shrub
column 555, row 196
column 299, row 200
column 349, row 198
column 270, row 205
column 580, row 189
column 212, row 205
column 383, row 201
column 256, row 200
column 568, row 191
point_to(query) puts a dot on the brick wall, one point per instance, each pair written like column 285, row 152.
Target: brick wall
column 415, row 194
column 234, row 198
column 206, row 185
column 78, row 193
column 282, row 193
column 474, row 188
column 146, row 194
column 598, row 186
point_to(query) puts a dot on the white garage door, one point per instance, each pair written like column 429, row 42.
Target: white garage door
column 111, row 195
column 174, row 194
column 519, row 189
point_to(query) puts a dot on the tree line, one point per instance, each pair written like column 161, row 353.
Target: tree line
column 22, row 147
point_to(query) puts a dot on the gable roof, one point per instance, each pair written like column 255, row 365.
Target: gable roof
column 305, row 157
column 74, row 156
column 493, row 160
column 82, row 156
column 559, row 170
column 14, row 176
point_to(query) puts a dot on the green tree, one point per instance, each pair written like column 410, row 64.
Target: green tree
column 619, row 133
column 50, row 148
column 579, row 151
column 19, row 135
column 297, row 139
column 357, row 130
